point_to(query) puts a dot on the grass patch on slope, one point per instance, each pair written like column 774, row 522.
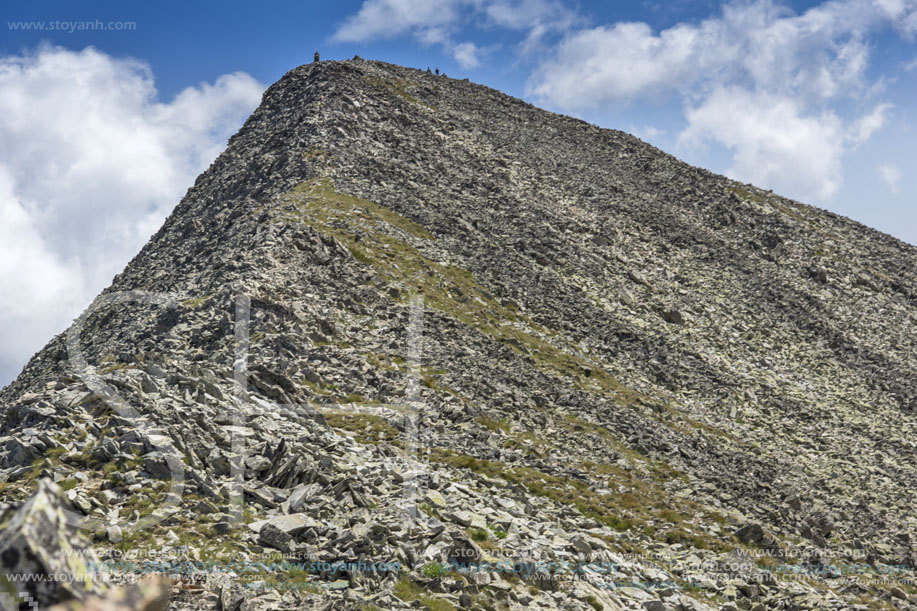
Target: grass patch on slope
column 367, row 428
column 638, row 504
column 388, row 242
column 397, row 86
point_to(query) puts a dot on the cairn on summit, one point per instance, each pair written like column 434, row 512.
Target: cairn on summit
column 412, row 343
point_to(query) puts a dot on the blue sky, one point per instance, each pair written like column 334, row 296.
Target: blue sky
column 109, row 109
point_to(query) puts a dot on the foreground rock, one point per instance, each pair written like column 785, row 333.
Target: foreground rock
column 148, row 595
column 42, row 554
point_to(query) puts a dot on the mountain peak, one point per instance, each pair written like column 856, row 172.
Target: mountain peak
column 408, row 319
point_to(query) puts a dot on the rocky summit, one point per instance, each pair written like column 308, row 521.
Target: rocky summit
column 412, row 343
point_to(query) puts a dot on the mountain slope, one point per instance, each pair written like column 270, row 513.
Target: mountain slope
column 424, row 311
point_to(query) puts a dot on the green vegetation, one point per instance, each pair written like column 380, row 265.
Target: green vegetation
column 385, row 362
column 331, row 391
column 113, row 367
column 498, row 533
column 528, row 442
column 315, row 153
column 640, row 503
column 478, row 534
column 19, row 489
column 195, row 302
column 434, row 569
column 111, row 363
column 429, row 510
column 390, row 244
column 359, row 255
column 658, row 470
column 494, row 425
column 672, row 516
column 367, row 428
column 54, row 454
column 604, row 508
column 397, row 86
column 746, row 195
column 409, row 591
column 294, row 578
column 320, row 191
column 210, row 545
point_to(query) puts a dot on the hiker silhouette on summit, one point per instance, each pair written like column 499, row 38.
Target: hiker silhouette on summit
column 316, row 56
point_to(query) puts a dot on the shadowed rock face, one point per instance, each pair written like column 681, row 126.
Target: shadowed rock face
column 403, row 317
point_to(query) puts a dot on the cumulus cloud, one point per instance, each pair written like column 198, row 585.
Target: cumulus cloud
column 613, row 65
column 539, row 18
column 744, row 77
column 819, row 55
column 438, row 22
column 773, row 140
column 524, row 14
column 90, row 164
column 776, row 142
column 466, row 54
column 891, row 175
column 380, row 19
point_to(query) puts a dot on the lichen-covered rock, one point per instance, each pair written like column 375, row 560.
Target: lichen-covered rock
column 43, row 554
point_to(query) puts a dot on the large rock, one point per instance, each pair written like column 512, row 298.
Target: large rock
column 463, row 552
column 38, row 540
column 751, row 533
column 148, row 595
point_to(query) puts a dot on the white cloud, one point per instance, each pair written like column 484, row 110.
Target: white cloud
column 466, row 54
column 437, row 22
column 744, row 77
column 39, row 292
column 891, row 175
column 90, row 164
column 525, row 14
column 614, row 65
column 867, row 125
column 775, row 143
column 819, row 54
column 381, row 19
column 892, row 8
column 647, row 132
column 902, row 12
column 535, row 39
